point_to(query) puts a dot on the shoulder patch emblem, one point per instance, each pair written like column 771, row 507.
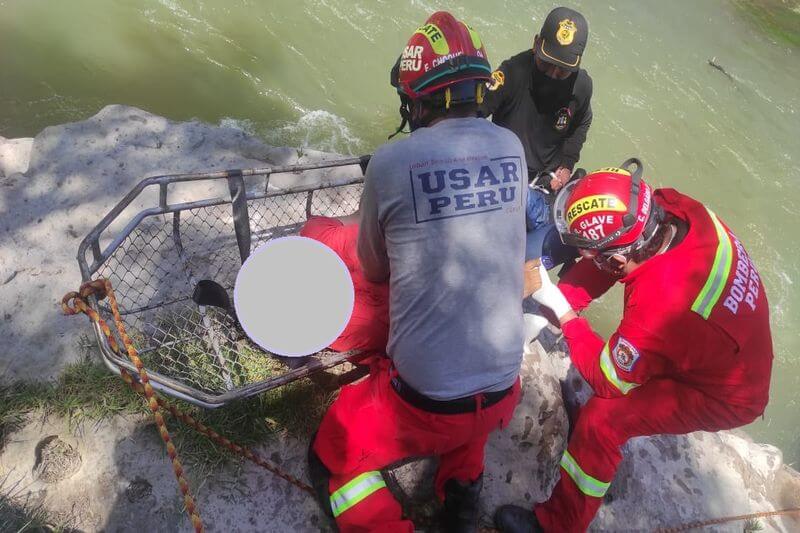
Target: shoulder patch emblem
column 625, row 354
column 498, row 79
column 566, row 32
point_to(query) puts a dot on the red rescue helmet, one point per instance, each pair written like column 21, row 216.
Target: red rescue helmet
column 608, row 209
column 443, row 52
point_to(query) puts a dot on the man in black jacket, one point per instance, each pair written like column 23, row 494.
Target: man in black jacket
column 543, row 96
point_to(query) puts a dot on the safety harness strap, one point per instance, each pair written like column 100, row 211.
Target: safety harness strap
column 610, row 372
column 586, row 483
column 718, row 276
column 356, row 490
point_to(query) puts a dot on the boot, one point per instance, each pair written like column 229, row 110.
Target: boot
column 461, row 505
column 320, row 476
column 516, row 519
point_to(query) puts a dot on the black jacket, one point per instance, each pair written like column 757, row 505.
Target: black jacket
column 553, row 135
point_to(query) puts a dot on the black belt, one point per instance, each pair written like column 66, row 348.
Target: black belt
column 468, row 404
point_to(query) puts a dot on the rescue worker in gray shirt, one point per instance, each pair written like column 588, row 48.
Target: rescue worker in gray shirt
column 443, row 219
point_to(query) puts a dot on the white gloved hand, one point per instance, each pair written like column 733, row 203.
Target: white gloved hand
column 550, row 296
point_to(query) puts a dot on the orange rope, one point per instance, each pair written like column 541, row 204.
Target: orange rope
column 725, row 520
column 101, row 289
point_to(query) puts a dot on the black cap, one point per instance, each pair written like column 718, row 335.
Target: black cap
column 563, row 38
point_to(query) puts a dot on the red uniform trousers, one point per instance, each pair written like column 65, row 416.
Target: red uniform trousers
column 660, row 406
column 369, row 427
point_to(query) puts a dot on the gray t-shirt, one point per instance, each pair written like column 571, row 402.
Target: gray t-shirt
column 443, row 211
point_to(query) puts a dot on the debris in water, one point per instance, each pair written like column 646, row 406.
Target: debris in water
column 713, row 63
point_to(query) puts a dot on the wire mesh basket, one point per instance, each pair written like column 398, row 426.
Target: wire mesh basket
column 155, row 259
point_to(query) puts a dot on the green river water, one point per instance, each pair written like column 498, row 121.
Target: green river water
column 315, row 73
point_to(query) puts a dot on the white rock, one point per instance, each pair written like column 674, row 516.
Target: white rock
column 14, row 156
column 126, row 483
column 664, row 481
column 77, row 173
column 671, row 480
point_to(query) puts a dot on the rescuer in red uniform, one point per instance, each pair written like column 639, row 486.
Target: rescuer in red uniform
column 368, row 327
column 693, row 350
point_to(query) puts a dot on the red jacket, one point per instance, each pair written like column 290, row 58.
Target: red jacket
column 368, row 327
column 697, row 314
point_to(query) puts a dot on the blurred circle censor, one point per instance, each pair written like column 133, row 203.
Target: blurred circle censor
column 293, row 296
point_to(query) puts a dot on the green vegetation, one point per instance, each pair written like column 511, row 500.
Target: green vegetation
column 292, row 410
column 87, row 391
column 778, row 18
column 753, row 524
column 23, row 517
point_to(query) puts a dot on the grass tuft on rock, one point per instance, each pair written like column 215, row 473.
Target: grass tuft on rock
column 753, row 524
column 88, row 391
column 20, row 515
column 18, row 518
column 293, row 410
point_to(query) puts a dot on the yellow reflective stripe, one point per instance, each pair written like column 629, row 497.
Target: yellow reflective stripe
column 709, row 295
column 355, row 490
column 436, row 38
column 586, row 483
column 610, row 372
column 476, row 40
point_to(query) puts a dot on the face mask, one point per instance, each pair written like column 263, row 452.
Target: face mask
column 550, row 94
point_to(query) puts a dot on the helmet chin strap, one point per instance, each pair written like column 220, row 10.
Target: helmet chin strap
column 445, row 99
column 405, row 114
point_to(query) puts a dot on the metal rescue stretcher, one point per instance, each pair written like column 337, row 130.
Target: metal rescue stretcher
column 154, row 262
